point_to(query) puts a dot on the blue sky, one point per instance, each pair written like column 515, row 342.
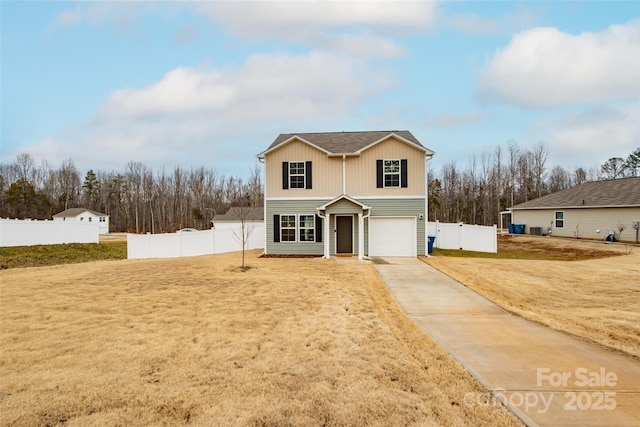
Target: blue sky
column 213, row 83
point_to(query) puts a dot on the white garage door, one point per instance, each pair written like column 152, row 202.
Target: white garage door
column 392, row 236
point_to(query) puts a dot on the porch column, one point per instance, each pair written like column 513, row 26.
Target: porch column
column 327, row 236
column 360, row 236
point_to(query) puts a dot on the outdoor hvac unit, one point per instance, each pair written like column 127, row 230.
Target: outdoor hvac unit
column 535, row 231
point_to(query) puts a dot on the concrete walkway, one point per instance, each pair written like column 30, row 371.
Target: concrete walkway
column 545, row 377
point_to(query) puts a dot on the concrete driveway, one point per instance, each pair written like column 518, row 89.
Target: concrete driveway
column 545, row 377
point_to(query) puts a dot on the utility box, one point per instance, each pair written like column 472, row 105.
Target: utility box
column 635, row 225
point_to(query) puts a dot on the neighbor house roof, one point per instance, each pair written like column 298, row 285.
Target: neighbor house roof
column 338, row 143
column 611, row 193
column 237, row 214
column 75, row 212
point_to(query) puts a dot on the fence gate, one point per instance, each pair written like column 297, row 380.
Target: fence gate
column 465, row 237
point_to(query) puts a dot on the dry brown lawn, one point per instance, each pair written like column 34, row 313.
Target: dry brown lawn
column 196, row 341
column 596, row 299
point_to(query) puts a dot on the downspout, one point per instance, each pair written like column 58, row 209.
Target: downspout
column 363, row 218
column 426, row 204
column 264, row 202
column 325, row 221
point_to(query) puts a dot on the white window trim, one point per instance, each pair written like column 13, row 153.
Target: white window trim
column 313, row 227
column 297, row 228
column 555, row 219
column 384, row 174
column 304, row 175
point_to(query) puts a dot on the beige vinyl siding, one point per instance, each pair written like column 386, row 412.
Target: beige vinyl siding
column 291, row 207
column 584, row 221
column 327, row 171
column 361, row 170
column 399, row 207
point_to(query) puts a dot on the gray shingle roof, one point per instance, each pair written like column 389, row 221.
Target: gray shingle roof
column 614, row 192
column 235, row 214
column 345, row 142
column 75, row 212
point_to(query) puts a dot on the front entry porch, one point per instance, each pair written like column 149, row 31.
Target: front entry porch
column 344, row 235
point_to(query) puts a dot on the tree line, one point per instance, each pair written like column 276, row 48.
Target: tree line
column 493, row 182
column 141, row 200
column 137, row 200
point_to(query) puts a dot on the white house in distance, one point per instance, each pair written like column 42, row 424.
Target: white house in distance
column 85, row 215
column 235, row 216
column 588, row 211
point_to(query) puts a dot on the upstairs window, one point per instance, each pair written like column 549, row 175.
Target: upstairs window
column 391, row 173
column 296, row 175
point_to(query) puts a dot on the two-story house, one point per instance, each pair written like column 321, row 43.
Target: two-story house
column 346, row 193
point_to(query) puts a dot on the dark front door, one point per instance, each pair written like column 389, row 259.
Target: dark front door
column 344, row 229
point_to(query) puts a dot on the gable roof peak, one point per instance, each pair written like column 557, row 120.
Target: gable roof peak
column 611, row 192
column 346, row 142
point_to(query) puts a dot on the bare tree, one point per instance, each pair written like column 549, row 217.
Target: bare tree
column 243, row 210
column 68, row 184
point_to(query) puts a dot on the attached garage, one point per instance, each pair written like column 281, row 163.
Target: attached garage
column 392, row 236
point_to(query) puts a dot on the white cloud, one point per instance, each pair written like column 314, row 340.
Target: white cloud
column 544, row 67
column 283, row 19
column 264, row 86
column 455, row 120
column 592, row 135
column 119, row 14
column 361, row 28
column 198, row 115
column 477, row 24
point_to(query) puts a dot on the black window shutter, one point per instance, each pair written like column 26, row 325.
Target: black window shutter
column 307, row 175
column 285, row 175
column 318, row 229
column 403, row 173
column 379, row 174
column 276, row 228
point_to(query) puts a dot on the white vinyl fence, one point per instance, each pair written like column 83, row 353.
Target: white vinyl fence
column 26, row 232
column 173, row 245
column 466, row 237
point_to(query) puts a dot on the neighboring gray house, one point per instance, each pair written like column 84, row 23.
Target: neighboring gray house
column 586, row 211
column 88, row 215
column 346, row 193
column 235, row 215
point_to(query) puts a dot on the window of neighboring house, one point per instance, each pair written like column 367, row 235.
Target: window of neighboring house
column 296, row 175
column 90, row 219
column 307, row 228
column 81, row 218
column 287, row 228
column 559, row 219
column 103, row 219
